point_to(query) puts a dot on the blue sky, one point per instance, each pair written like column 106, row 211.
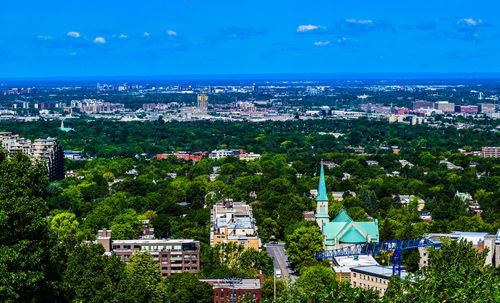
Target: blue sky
column 177, row 37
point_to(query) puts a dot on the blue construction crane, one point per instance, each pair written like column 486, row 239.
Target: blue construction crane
column 395, row 246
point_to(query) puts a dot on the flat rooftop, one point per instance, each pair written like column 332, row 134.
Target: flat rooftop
column 379, row 271
column 155, row 241
column 244, row 283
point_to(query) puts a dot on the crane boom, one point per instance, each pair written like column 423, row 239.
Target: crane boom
column 395, row 246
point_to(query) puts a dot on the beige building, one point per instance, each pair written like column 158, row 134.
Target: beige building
column 249, row 156
column 374, row 277
column 479, row 240
column 233, row 222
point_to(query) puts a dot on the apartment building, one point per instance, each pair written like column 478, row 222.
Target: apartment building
column 233, row 222
column 173, row 256
column 490, row 152
column 47, row 150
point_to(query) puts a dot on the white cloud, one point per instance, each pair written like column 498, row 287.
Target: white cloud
column 146, row 34
column 100, row 40
column 470, row 21
column 368, row 21
column 321, row 43
column 73, row 53
column 171, row 33
column 340, row 40
column 74, row 34
column 123, row 36
column 306, row 28
column 42, row 37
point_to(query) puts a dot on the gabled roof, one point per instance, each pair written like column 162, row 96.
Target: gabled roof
column 348, row 230
column 342, row 217
column 352, row 236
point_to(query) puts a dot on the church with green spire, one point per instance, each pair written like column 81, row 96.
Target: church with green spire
column 342, row 230
column 321, row 215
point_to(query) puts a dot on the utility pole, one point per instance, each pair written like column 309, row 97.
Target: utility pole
column 274, row 285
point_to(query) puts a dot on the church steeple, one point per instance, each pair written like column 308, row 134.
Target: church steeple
column 322, row 216
column 322, row 196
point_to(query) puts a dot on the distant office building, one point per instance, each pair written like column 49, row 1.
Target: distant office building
column 421, row 104
column 236, row 290
column 486, row 108
column 255, row 88
column 47, row 150
column 445, row 106
column 490, row 152
column 233, row 222
column 466, row 109
column 221, row 153
column 173, row 256
column 74, row 155
column 202, row 102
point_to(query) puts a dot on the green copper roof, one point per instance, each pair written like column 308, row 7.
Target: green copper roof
column 322, row 196
column 342, row 217
column 352, row 236
column 369, row 228
column 322, row 215
column 333, row 229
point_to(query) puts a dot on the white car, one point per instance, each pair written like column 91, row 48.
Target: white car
column 278, row 273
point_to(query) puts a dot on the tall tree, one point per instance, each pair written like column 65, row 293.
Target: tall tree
column 26, row 271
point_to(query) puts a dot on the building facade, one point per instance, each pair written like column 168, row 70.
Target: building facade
column 490, row 151
column 486, row 108
column 236, row 290
column 374, row 277
column 479, row 240
column 233, row 222
column 173, row 256
column 46, row 150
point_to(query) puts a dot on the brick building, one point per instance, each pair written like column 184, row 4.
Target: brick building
column 236, row 290
column 173, row 256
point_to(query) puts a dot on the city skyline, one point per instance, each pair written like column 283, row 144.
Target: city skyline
column 59, row 39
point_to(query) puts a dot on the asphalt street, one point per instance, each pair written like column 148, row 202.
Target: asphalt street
column 277, row 252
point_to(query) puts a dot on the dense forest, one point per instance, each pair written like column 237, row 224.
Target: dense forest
column 44, row 249
column 104, row 138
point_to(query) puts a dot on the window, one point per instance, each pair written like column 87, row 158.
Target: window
column 137, row 247
column 164, row 268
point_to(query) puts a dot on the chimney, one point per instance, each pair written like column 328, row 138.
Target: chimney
column 104, row 238
column 480, row 245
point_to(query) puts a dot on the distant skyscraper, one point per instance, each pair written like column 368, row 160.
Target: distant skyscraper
column 202, row 103
column 481, row 96
column 255, row 88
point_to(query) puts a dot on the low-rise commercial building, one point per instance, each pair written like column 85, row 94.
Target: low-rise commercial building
column 249, row 156
column 233, row 222
column 374, row 277
column 173, row 256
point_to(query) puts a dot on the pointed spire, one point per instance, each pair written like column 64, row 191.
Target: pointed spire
column 322, row 196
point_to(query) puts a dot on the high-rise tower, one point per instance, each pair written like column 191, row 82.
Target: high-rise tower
column 322, row 201
column 202, row 103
